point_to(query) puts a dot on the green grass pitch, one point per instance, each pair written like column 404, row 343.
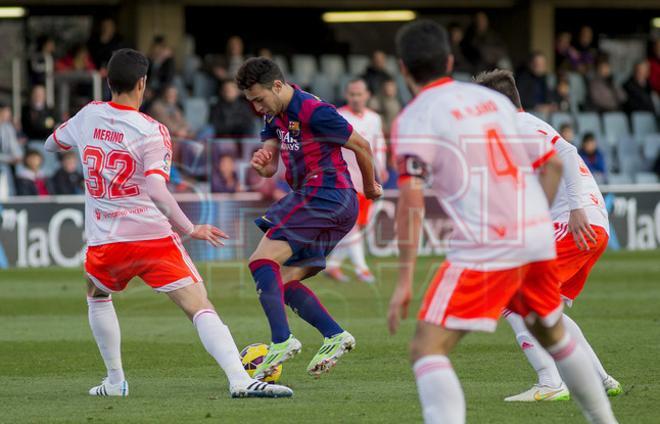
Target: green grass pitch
column 48, row 359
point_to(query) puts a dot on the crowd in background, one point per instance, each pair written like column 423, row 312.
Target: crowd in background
column 213, row 151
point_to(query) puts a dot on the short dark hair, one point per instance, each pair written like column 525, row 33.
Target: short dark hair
column 125, row 68
column 588, row 137
column 423, row 46
column 31, row 152
column 501, row 81
column 258, row 70
column 565, row 126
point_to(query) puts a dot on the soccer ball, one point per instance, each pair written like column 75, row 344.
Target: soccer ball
column 252, row 355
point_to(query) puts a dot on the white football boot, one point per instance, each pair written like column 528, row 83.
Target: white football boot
column 256, row 388
column 539, row 393
column 107, row 389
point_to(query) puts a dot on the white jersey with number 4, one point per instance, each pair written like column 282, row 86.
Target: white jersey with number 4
column 482, row 172
column 578, row 188
column 118, row 148
column 370, row 126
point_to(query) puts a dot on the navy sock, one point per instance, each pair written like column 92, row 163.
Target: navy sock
column 266, row 274
column 305, row 303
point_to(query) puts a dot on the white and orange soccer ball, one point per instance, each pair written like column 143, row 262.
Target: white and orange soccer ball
column 252, row 356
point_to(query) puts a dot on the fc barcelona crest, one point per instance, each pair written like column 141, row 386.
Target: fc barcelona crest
column 294, row 129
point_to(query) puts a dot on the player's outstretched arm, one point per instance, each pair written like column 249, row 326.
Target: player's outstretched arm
column 266, row 160
column 365, row 160
column 550, row 176
column 163, row 199
column 409, row 218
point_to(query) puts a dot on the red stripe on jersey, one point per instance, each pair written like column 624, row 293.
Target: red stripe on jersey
column 62, row 145
column 542, row 132
column 120, row 106
column 543, row 159
column 159, row 172
column 554, row 139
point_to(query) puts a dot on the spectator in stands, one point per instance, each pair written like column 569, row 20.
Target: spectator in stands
column 37, row 62
column 386, row 103
column 483, row 46
column 376, row 73
column 30, row 179
column 235, row 56
column 225, row 178
column 37, row 119
column 561, row 96
column 161, row 65
column 566, row 56
column 102, row 45
column 78, row 59
column 567, row 132
column 593, row 157
column 231, row 115
column 654, row 63
column 67, row 179
column 456, row 35
column 11, row 152
column 586, row 51
column 533, row 85
column 638, row 89
column 168, row 111
column 604, row 95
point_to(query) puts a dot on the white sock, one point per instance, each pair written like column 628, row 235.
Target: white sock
column 582, row 380
column 105, row 327
column 356, row 253
column 218, row 341
column 537, row 357
column 439, row 390
column 576, row 332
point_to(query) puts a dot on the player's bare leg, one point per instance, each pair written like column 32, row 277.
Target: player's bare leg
column 575, row 368
column 304, row 302
column 440, row 392
column 219, row 343
column 105, row 328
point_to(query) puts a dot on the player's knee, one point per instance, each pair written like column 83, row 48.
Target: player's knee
column 93, row 291
column 547, row 336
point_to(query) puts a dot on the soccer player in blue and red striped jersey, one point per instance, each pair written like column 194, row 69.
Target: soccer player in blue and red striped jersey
column 303, row 227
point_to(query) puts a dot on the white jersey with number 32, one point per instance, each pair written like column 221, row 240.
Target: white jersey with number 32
column 118, row 148
column 482, row 172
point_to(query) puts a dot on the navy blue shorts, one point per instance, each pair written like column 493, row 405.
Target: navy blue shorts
column 312, row 220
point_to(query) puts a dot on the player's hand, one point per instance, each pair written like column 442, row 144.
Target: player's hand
column 260, row 159
column 373, row 192
column 578, row 225
column 209, row 233
column 399, row 306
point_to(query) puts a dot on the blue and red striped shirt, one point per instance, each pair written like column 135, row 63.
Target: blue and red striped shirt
column 311, row 133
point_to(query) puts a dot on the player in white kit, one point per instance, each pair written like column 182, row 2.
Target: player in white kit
column 127, row 157
column 581, row 232
column 370, row 126
column 463, row 141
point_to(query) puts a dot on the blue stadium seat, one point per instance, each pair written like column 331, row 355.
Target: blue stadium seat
column 392, row 65
column 651, row 148
column 204, row 86
column 191, row 65
column 282, row 63
column 619, row 179
column 462, row 76
column 589, row 122
column 341, row 86
column 180, row 88
column 578, row 90
column 196, row 112
column 616, row 128
column 560, row 118
column 332, row 65
column 646, row 178
column 643, row 123
column 630, row 164
column 304, row 68
column 51, row 162
column 551, row 80
column 357, row 64
column 402, row 87
column 323, row 87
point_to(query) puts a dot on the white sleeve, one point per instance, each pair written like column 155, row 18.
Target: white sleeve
column 64, row 137
column 160, row 195
column 156, row 153
column 571, row 161
column 380, row 147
